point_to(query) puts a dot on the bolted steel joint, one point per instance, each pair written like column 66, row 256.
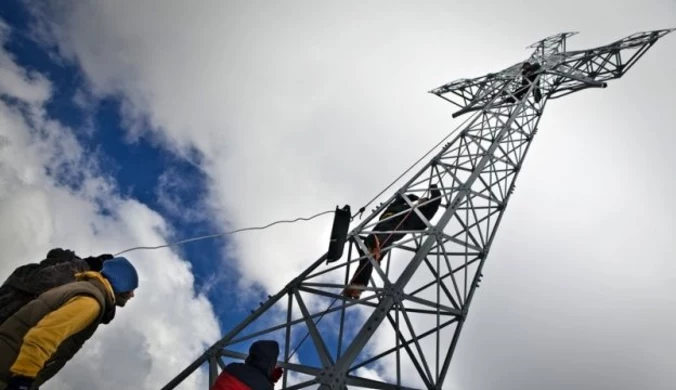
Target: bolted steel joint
column 331, row 379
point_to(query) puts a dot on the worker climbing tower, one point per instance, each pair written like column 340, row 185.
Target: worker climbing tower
column 398, row 327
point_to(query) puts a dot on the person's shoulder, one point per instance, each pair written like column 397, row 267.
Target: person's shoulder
column 85, row 303
column 412, row 197
column 250, row 376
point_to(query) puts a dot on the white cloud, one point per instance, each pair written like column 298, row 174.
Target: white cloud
column 139, row 349
column 301, row 106
column 16, row 82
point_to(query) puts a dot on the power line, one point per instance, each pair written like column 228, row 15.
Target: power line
column 224, row 234
column 361, row 210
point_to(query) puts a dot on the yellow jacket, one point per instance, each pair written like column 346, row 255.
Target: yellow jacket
column 42, row 340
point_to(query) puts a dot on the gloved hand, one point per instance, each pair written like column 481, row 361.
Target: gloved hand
column 19, row 383
column 276, row 374
column 96, row 263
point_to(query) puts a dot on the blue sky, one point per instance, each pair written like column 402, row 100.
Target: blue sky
column 142, row 169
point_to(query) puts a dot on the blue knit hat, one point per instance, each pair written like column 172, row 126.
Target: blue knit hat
column 121, row 274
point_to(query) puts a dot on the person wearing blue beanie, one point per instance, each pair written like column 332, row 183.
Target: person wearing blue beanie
column 122, row 277
column 38, row 339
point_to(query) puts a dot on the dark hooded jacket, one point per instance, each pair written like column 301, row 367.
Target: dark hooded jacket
column 256, row 371
column 413, row 221
column 409, row 219
column 387, row 230
column 529, row 73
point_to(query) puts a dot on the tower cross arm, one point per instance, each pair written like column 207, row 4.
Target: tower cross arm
column 471, row 94
column 563, row 72
column 572, row 71
column 474, row 94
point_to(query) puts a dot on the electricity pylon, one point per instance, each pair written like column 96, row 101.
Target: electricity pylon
column 402, row 331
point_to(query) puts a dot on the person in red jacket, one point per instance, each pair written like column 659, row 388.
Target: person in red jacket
column 258, row 372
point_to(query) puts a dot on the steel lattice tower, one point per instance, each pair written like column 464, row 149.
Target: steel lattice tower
column 409, row 318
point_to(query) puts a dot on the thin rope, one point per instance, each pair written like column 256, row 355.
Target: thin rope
column 363, row 208
column 224, row 234
column 315, row 324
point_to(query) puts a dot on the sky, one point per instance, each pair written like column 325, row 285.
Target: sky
column 138, row 123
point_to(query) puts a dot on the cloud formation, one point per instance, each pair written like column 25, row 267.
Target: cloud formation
column 301, row 106
column 52, row 195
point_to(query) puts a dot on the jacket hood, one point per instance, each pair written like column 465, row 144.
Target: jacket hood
column 263, row 355
column 91, row 275
column 109, row 312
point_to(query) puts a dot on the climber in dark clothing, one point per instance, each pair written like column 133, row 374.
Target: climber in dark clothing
column 30, row 280
column 258, row 372
column 385, row 233
column 529, row 72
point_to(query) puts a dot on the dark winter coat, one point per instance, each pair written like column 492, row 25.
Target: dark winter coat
column 384, row 232
column 408, row 220
column 529, row 74
column 255, row 373
column 413, row 221
column 14, row 329
column 29, row 281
